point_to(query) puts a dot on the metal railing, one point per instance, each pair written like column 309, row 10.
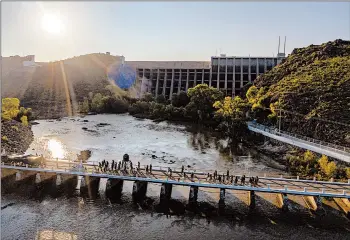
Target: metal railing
column 316, row 142
column 197, row 172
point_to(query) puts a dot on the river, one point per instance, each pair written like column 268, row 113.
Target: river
column 162, row 144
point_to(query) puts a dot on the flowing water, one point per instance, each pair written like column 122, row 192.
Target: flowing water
column 162, row 144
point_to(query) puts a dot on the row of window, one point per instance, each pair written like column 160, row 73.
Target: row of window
column 244, row 61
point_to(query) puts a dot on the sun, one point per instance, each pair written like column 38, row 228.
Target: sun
column 52, row 24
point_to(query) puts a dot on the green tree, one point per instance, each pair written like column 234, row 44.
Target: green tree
column 232, row 114
column 9, row 108
column 328, row 169
column 202, row 98
column 180, row 99
column 347, row 170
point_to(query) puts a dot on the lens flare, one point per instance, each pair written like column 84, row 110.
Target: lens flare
column 56, row 148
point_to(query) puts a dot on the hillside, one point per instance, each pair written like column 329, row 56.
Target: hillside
column 313, row 87
column 50, row 85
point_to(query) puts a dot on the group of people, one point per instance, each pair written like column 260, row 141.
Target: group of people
column 126, row 165
column 231, row 179
column 123, row 165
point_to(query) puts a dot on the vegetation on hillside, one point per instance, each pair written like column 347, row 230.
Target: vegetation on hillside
column 16, row 132
column 11, row 110
column 312, row 87
column 307, row 164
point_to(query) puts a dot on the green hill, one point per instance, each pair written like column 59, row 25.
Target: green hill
column 312, row 86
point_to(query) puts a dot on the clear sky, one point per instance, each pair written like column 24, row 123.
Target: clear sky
column 167, row 30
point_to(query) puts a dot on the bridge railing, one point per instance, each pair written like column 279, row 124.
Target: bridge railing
column 200, row 172
column 327, row 145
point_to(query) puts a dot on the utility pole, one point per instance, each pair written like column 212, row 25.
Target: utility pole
column 279, row 121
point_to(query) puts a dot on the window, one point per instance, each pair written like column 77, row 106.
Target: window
column 223, row 62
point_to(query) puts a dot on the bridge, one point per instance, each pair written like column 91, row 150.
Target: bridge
column 90, row 175
column 332, row 150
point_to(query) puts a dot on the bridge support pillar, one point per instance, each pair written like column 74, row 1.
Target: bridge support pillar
column 58, row 179
column 283, row 201
column 251, row 199
column 222, row 200
column 192, row 200
column 89, row 186
column 37, row 178
column 165, row 193
column 344, row 205
column 139, row 191
column 114, row 188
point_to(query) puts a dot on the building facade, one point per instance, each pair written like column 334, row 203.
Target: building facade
column 229, row 74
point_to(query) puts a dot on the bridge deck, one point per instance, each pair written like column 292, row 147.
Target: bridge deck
column 266, row 184
column 331, row 150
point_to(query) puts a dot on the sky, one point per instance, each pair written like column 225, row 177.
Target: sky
column 167, row 31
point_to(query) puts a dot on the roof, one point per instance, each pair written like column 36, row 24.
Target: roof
column 169, row 64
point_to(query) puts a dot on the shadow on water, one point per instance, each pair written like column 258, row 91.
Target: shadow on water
column 235, row 210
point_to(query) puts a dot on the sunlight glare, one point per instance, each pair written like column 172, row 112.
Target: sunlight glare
column 55, row 148
column 52, row 24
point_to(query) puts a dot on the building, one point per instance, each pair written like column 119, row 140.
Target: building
column 227, row 73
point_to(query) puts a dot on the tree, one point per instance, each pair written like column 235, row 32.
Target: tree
column 232, row 113
column 9, row 108
column 347, row 171
column 203, row 98
column 180, row 100
column 254, row 96
column 84, row 106
column 161, row 99
column 97, row 103
column 309, row 157
column 328, row 169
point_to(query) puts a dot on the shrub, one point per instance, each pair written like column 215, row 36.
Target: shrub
column 139, row 107
column 24, row 121
column 4, row 138
column 14, row 127
column 148, row 97
column 9, row 108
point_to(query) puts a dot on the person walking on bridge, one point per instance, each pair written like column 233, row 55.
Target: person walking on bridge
column 243, row 180
column 150, row 168
column 236, row 180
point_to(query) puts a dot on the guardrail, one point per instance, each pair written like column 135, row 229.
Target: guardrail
column 329, row 146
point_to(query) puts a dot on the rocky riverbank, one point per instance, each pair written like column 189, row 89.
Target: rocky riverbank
column 15, row 137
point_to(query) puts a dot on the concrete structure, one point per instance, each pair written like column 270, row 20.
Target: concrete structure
column 227, row 73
